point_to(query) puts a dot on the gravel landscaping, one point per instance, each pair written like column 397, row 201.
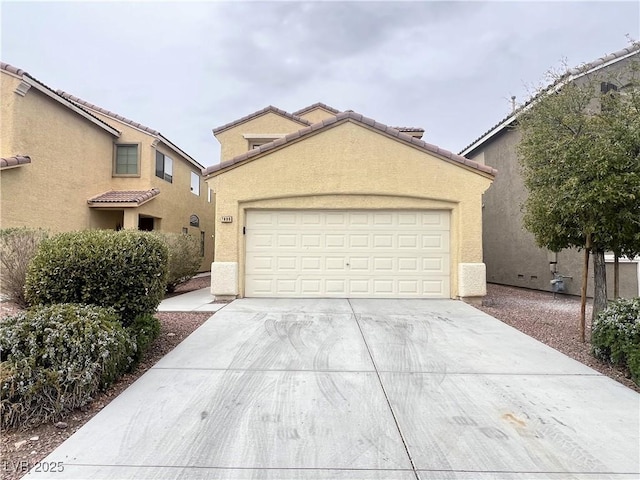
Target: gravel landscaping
column 553, row 321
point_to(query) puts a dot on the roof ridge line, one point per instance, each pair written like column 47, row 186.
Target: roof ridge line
column 257, row 113
column 345, row 116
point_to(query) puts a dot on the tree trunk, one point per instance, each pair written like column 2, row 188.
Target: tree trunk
column 583, row 291
column 616, row 276
column 599, row 282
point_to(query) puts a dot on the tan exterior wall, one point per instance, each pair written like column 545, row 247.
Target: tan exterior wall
column 233, row 143
column 67, row 166
column 350, row 166
column 175, row 204
column 72, row 161
column 317, row 115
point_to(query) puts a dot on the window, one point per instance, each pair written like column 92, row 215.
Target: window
column 209, row 194
column 194, row 221
column 185, row 231
column 164, row 167
column 202, row 244
column 126, row 160
column 195, row 183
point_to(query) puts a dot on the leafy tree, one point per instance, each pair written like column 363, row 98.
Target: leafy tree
column 580, row 159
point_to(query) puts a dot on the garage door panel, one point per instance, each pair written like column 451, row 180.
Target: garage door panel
column 347, row 254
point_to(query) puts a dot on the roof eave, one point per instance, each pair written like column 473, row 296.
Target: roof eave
column 70, row 105
column 577, row 73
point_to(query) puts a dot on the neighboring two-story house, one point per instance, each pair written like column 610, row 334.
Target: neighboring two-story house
column 323, row 203
column 70, row 165
column 510, row 252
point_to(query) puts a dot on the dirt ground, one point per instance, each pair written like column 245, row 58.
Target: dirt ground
column 553, row 321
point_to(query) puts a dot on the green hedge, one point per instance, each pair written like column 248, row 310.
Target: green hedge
column 615, row 337
column 55, row 358
column 143, row 330
column 184, row 257
column 123, row 270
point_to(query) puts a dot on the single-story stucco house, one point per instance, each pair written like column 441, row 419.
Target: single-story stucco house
column 323, row 203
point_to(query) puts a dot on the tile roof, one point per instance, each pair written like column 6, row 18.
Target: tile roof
column 117, row 197
column 314, row 106
column 568, row 76
column 54, row 94
column 132, row 123
column 106, row 112
column 409, row 129
column 14, row 161
column 270, row 108
column 355, row 117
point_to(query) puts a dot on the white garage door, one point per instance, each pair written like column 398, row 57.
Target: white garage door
column 347, row 253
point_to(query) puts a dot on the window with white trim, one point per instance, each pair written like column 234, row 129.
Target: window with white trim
column 164, row 167
column 195, row 183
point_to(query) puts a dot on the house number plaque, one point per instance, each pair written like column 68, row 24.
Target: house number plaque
column 227, row 219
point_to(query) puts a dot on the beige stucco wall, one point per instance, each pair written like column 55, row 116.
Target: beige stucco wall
column 232, row 142
column 317, row 115
column 175, row 204
column 72, row 161
column 66, row 167
column 350, row 166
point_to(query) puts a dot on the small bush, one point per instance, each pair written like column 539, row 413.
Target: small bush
column 184, row 258
column 125, row 270
column 55, row 358
column 143, row 330
column 615, row 337
column 17, row 248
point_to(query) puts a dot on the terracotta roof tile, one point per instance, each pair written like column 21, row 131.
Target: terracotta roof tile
column 408, row 129
column 356, row 117
column 120, row 118
column 21, row 73
column 253, row 115
column 14, row 161
column 106, row 112
column 569, row 75
column 124, row 196
column 304, row 110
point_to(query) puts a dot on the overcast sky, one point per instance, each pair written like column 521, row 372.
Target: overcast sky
column 185, row 68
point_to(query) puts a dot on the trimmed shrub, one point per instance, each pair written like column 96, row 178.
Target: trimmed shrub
column 124, row 270
column 615, row 337
column 55, row 358
column 184, row 258
column 143, row 330
column 17, row 248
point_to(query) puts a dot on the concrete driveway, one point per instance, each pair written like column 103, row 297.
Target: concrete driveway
column 360, row 389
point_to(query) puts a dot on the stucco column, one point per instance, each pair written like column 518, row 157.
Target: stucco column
column 130, row 221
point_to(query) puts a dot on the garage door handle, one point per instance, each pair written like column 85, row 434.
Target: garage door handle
column 347, row 264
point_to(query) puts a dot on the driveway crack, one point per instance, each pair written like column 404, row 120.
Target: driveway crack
column 384, row 391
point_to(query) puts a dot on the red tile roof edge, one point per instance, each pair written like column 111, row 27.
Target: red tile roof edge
column 120, row 118
column 573, row 72
column 253, row 115
column 19, row 72
column 316, row 105
column 14, row 161
column 409, row 129
column 124, row 196
column 345, row 116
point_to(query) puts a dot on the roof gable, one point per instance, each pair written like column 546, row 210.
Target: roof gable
column 264, row 111
column 359, row 119
column 569, row 76
column 316, row 106
column 131, row 123
column 30, row 81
